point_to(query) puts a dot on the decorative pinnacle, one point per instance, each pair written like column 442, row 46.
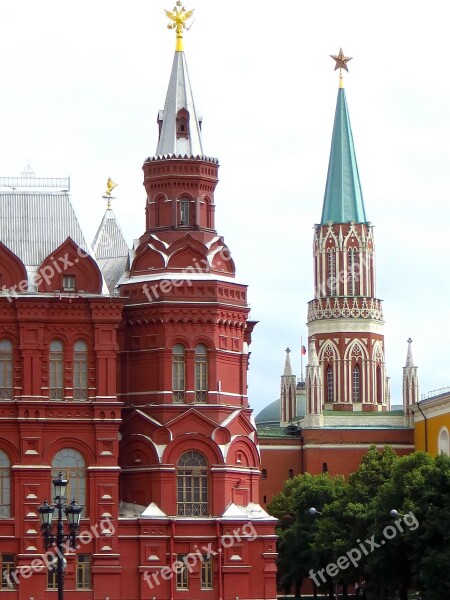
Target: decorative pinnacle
column 110, row 185
column 341, row 63
column 179, row 16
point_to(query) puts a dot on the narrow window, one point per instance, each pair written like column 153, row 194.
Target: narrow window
column 264, row 474
column 443, row 442
column 178, row 368
column 207, row 573
column 80, row 371
column 69, row 283
column 56, row 382
column 324, row 467
column 356, row 384
column 5, row 486
column 8, row 565
column 71, row 464
column 83, row 571
column 201, row 373
column 291, row 473
column 192, row 484
column 51, row 576
column 332, row 273
column 184, row 212
column 379, row 386
column 264, row 499
column 182, row 573
column 330, row 384
column 6, row 370
column 353, row 272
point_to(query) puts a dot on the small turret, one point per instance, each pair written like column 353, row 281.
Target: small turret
column 410, row 382
column 288, row 392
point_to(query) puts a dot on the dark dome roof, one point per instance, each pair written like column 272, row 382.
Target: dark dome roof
column 270, row 414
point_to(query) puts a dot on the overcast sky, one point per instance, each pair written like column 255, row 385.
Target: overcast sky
column 82, row 83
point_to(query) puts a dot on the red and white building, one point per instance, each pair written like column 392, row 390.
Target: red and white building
column 127, row 372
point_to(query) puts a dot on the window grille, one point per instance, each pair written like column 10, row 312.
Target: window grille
column 192, row 484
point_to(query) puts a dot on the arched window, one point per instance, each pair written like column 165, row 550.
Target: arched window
column 353, row 272
column 71, row 464
column 178, row 368
column 5, row 486
column 443, row 442
column 192, row 485
column 330, row 384
column 80, row 371
column 184, row 212
column 56, row 374
column 356, row 381
column 201, row 373
column 332, row 273
column 6, row 370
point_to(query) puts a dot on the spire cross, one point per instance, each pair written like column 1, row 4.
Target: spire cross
column 179, row 15
column 340, row 63
column 409, row 341
column 288, row 350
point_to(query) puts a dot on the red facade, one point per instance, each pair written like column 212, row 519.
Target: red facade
column 140, row 399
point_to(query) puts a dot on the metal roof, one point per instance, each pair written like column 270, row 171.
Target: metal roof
column 179, row 95
column 343, row 201
column 111, row 250
column 34, row 224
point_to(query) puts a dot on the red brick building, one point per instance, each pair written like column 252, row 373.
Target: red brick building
column 127, row 372
column 327, row 421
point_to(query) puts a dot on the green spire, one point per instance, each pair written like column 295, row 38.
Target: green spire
column 343, row 200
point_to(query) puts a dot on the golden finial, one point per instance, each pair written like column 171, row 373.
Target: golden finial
column 341, row 63
column 179, row 16
column 110, row 185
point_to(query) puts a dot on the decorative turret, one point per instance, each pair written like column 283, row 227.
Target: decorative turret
column 410, row 381
column 288, row 392
column 345, row 316
column 314, row 388
column 109, row 245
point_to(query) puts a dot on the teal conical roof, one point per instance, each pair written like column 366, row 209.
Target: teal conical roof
column 343, row 200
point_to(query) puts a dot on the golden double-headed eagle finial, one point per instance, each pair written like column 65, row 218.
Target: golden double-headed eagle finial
column 179, row 15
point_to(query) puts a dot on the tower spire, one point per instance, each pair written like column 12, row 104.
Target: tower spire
column 343, row 201
column 179, row 124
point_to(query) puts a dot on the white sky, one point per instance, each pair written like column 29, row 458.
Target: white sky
column 82, row 83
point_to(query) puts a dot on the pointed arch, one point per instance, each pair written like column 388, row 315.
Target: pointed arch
column 13, row 274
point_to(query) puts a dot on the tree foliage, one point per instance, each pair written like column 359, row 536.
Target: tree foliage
column 410, row 551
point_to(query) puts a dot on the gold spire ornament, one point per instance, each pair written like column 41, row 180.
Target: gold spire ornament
column 341, row 63
column 110, row 185
column 179, row 16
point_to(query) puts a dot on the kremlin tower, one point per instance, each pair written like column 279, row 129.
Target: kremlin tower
column 345, row 319
column 347, row 406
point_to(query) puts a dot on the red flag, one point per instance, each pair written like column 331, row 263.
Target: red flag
column 303, row 350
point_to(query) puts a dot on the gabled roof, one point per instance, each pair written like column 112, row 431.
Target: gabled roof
column 343, row 201
column 111, row 250
column 179, row 96
column 33, row 224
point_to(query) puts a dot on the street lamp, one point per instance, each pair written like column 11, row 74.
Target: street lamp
column 73, row 513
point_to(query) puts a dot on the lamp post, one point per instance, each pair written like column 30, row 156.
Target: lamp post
column 73, row 513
